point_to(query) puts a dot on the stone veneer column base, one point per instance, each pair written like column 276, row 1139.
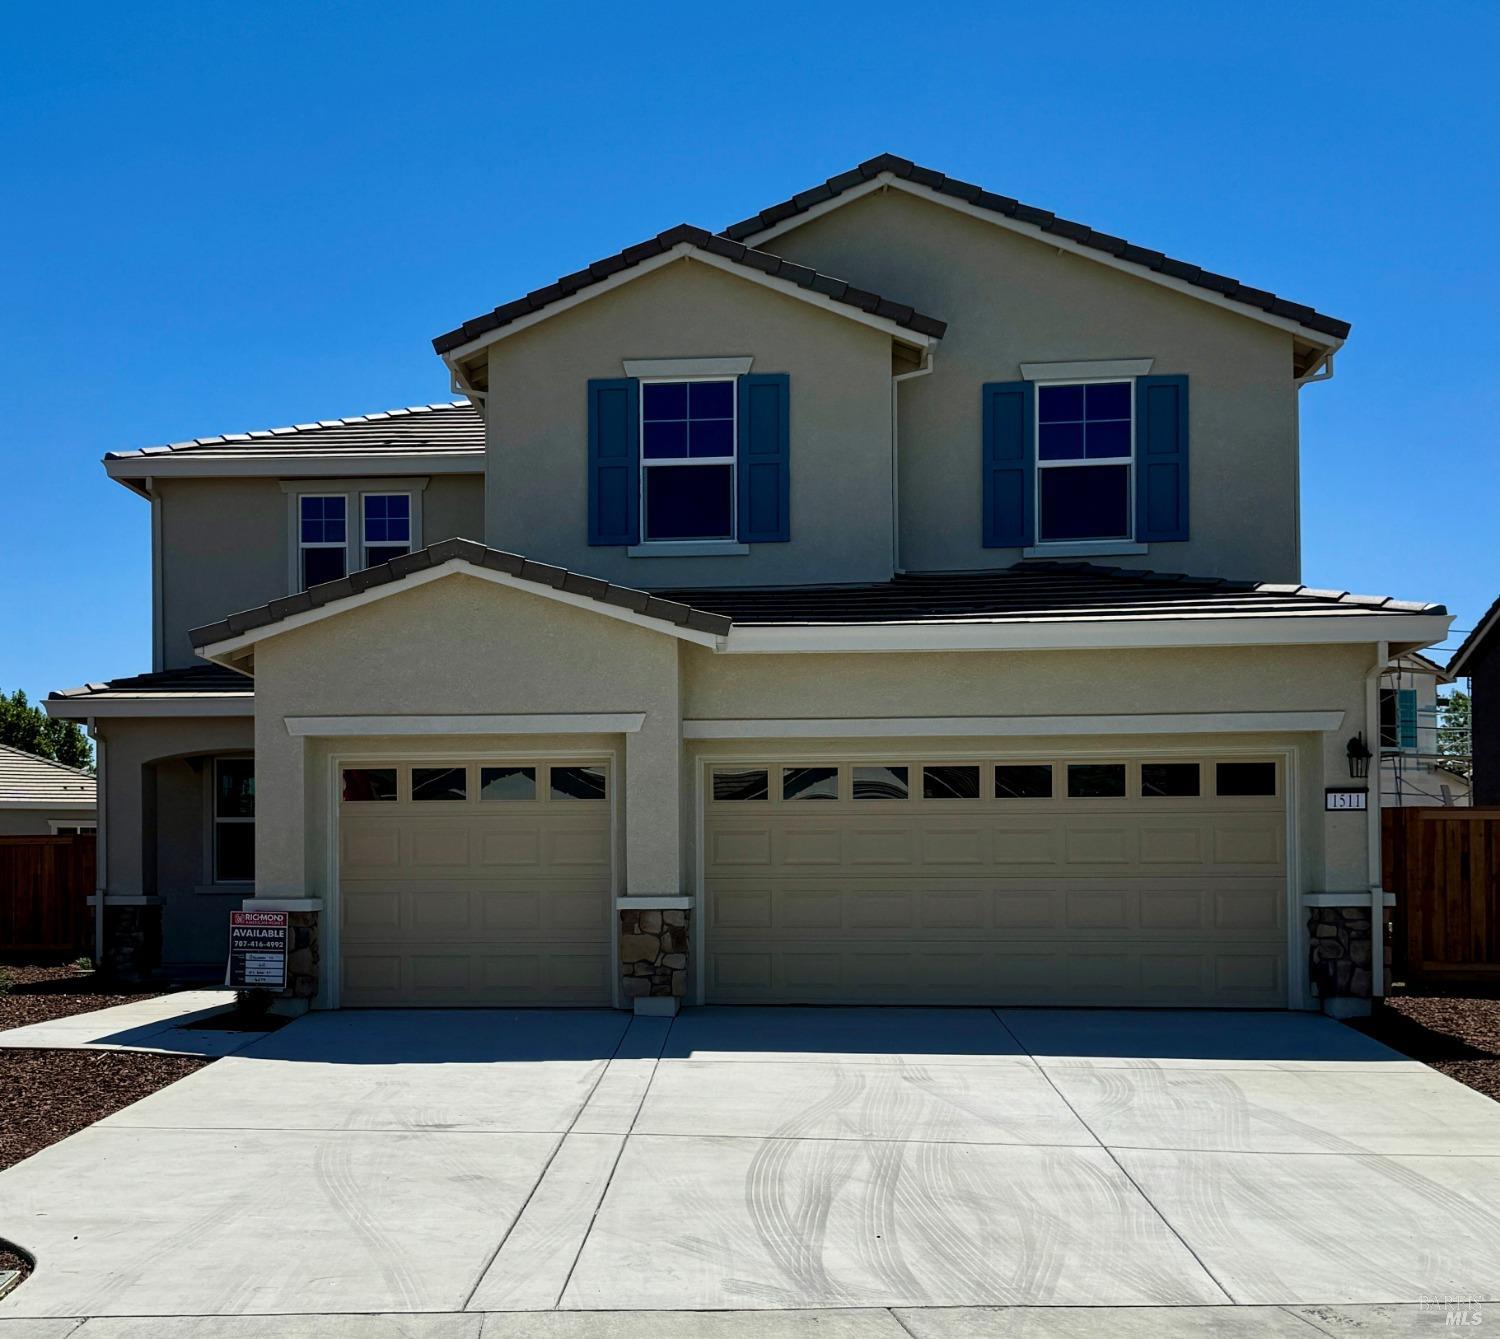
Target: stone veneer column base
column 132, row 942
column 654, row 956
column 1339, row 955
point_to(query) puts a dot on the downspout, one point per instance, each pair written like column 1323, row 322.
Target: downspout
column 1372, row 826
column 101, row 860
column 921, row 371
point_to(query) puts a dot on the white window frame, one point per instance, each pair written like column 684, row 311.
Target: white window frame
column 411, row 524
column 732, row 460
column 67, row 827
column 1106, row 543
column 303, row 545
column 354, row 493
column 215, row 820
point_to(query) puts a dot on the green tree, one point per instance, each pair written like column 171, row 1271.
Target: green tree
column 26, row 727
column 1454, row 734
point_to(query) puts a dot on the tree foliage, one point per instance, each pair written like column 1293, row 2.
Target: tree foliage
column 29, row 728
column 1455, row 732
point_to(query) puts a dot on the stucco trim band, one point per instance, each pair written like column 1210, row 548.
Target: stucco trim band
column 536, row 723
column 888, row 727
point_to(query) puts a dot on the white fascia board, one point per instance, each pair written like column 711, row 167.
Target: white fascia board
column 31, row 802
column 687, row 251
column 223, row 652
column 888, row 180
column 291, row 465
column 965, row 727
column 199, row 704
column 1084, row 634
column 536, row 723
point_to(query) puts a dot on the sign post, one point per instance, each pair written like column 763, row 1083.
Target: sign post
column 258, row 950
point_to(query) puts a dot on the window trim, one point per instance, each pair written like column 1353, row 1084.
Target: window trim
column 365, row 546
column 354, row 492
column 1056, row 547
column 651, row 547
column 214, row 820
column 303, row 545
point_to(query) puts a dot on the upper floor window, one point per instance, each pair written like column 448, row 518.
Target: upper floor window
column 323, row 537
column 329, row 546
column 687, row 459
column 1398, row 718
column 1084, row 458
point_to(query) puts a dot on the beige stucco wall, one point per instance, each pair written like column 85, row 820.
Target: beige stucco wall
column 464, row 646
column 157, row 778
column 537, row 490
column 38, row 822
column 1009, row 299
column 224, row 545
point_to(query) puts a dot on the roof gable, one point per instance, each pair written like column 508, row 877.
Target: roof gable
column 903, row 174
column 1472, row 644
column 685, row 240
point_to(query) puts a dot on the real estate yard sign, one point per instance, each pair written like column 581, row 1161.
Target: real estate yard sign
column 257, row 950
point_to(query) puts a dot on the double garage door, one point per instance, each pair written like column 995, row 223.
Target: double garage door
column 1030, row 881
column 475, row 883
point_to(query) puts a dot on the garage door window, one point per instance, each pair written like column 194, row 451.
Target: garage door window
column 881, row 783
column 577, row 783
column 1174, row 779
column 1030, row 781
column 809, row 783
column 748, row 784
column 439, row 783
column 950, row 783
column 1246, row 778
column 1096, row 780
column 507, row 783
column 363, row 784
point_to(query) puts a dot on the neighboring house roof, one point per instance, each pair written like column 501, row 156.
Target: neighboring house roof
column 684, row 235
column 1487, row 625
column 1080, row 595
column 194, row 690
column 1414, row 662
column 30, row 782
column 1036, row 590
column 1002, row 206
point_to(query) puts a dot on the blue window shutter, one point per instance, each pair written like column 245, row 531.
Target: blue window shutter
column 1009, row 471
column 1161, row 452
column 1406, row 718
column 614, row 461
column 765, row 467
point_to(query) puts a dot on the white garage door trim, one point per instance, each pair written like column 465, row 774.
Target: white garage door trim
column 333, row 911
column 1296, row 936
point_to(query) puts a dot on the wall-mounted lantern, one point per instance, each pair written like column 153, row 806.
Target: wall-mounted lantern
column 1359, row 757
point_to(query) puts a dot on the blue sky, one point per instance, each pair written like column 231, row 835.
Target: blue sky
column 223, row 217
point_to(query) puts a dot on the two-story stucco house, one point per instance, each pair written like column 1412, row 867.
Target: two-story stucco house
column 893, row 597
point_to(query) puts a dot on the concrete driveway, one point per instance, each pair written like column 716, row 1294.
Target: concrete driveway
column 753, row 1159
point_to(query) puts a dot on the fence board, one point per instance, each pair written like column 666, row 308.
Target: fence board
column 1443, row 865
column 45, row 884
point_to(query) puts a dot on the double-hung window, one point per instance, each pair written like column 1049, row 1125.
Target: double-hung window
column 1085, row 451
column 687, row 459
column 338, row 533
column 234, row 820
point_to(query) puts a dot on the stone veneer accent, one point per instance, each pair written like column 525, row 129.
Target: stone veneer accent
column 132, row 942
column 303, row 956
column 1339, row 951
column 653, row 953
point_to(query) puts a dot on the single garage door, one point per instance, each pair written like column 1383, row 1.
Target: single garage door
column 475, row 883
column 996, row 881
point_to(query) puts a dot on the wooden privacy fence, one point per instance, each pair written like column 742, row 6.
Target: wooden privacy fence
column 1444, row 867
column 45, row 884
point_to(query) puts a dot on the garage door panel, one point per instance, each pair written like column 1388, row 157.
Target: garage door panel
column 1145, row 899
column 485, row 900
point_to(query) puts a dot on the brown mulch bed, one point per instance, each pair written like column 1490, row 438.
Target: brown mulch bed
column 48, row 1095
column 1458, row 1035
column 36, row 993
